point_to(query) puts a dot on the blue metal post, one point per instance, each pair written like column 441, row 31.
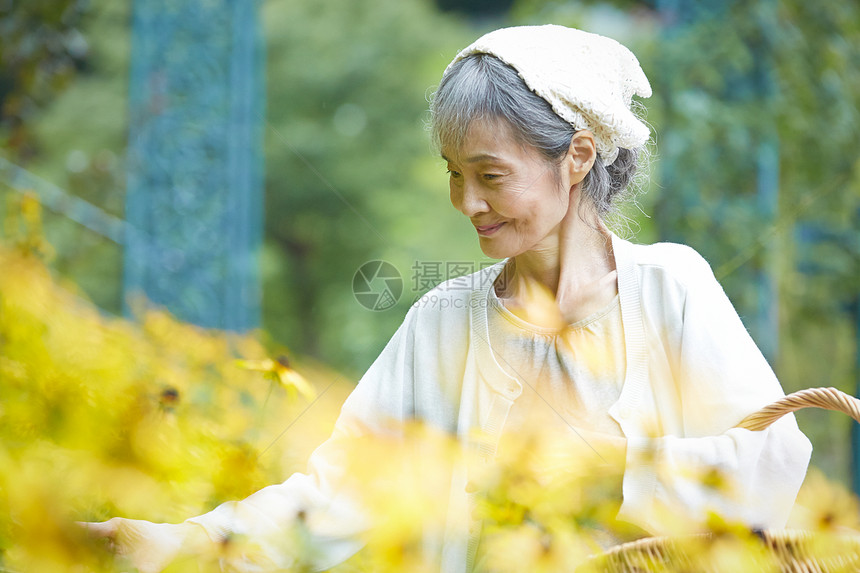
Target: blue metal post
column 767, row 183
column 194, row 189
column 768, row 288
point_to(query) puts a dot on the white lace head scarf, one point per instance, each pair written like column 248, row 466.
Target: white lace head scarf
column 589, row 80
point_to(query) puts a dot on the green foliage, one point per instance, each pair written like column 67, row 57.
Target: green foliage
column 350, row 176
column 41, row 51
column 349, row 173
column 77, row 141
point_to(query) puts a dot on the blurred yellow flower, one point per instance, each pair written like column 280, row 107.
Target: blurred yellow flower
column 280, row 371
column 152, row 419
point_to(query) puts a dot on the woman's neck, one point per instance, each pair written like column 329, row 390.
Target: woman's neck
column 575, row 265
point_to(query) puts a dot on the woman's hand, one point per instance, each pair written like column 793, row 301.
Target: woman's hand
column 150, row 547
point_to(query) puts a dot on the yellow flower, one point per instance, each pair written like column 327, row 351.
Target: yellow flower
column 280, row 371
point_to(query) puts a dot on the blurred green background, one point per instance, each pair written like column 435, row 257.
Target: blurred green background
column 756, row 117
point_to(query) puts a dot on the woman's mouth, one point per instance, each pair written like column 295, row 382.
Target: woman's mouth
column 487, row 230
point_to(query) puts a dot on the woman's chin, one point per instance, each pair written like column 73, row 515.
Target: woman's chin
column 493, row 249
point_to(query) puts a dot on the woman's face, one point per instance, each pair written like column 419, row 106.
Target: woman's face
column 515, row 199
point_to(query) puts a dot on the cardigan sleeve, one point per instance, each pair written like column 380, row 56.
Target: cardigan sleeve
column 314, row 517
column 705, row 464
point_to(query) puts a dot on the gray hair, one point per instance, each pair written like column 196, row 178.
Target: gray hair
column 482, row 86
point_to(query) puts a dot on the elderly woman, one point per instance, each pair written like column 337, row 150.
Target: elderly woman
column 536, row 127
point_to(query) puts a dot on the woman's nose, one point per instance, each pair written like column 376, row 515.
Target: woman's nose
column 467, row 199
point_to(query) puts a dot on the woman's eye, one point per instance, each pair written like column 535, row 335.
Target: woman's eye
column 490, row 176
column 453, row 173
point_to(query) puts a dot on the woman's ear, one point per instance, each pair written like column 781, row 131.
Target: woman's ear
column 581, row 155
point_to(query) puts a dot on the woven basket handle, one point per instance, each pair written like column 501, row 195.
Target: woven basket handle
column 827, row 398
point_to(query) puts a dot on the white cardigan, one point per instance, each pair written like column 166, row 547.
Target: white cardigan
column 693, row 372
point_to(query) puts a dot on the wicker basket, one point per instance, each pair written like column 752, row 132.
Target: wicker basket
column 789, row 551
column 785, row 550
